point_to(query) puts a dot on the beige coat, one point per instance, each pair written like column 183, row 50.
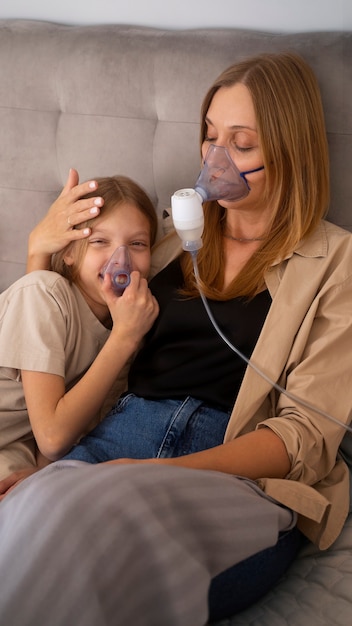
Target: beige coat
column 306, row 347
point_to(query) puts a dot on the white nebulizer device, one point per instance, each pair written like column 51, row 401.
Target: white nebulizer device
column 220, row 179
column 188, row 218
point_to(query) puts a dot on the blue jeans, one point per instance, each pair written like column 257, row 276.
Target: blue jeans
column 139, row 428
column 240, row 586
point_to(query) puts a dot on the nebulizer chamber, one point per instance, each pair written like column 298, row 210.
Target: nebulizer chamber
column 188, row 218
column 119, row 267
column 219, row 179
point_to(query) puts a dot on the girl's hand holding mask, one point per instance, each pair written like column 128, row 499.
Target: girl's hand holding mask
column 133, row 313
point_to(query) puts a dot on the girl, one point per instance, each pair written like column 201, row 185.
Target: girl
column 65, row 335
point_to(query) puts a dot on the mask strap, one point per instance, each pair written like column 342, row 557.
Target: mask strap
column 244, row 174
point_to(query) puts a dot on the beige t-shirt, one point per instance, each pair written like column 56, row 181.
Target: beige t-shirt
column 47, row 326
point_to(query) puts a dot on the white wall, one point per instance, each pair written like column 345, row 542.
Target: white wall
column 271, row 15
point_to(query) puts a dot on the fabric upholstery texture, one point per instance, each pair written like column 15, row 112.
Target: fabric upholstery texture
column 125, row 99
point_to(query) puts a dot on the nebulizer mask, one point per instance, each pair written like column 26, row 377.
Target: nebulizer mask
column 119, row 267
column 219, row 179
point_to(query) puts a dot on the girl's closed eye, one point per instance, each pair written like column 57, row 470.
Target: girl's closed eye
column 98, row 241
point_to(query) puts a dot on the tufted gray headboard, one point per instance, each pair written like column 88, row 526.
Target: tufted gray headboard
column 119, row 99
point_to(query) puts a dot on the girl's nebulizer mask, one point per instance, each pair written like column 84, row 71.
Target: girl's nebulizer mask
column 119, row 267
column 220, row 179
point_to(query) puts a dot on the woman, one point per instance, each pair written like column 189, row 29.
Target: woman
column 236, row 463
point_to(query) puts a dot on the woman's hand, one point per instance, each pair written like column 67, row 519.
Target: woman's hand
column 56, row 229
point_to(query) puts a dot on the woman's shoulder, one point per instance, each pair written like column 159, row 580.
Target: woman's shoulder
column 327, row 253
column 325, row 240
column 333, row 231
column 338, row 243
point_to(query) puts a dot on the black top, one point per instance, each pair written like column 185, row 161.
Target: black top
column 183, row 354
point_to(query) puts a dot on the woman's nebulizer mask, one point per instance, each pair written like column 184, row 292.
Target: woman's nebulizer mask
column 219, row 179
column 119, row 267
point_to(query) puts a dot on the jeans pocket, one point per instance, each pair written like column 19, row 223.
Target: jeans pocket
column 122, row 402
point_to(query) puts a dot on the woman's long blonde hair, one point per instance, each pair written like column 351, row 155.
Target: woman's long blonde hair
column 291, row 128
column 115, row 190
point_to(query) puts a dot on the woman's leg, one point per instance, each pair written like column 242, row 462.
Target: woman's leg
column 129, row 544
column 243, row 584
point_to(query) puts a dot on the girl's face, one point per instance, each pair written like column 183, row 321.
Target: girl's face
column 231, row 123
column 124, row 225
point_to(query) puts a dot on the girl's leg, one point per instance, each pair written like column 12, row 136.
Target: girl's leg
column 128, row 544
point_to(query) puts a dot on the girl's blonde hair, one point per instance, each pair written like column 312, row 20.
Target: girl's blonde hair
column 291, row 129
column 115, row 190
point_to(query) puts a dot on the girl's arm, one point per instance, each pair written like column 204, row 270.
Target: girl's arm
column 55, row 231
column 58, row 418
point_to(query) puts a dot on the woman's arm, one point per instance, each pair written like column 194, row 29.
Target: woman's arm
column 55, row 230
column 258, row 454
column 255, row 455
column 57, row 418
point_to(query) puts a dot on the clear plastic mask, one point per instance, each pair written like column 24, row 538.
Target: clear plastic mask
column 220, row 179
column 119, row 267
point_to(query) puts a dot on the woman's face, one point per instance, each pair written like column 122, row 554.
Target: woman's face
column 231, row 123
